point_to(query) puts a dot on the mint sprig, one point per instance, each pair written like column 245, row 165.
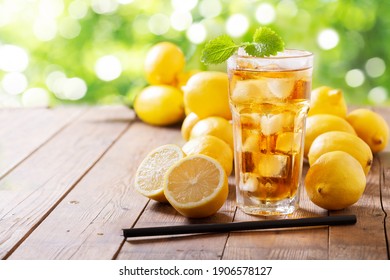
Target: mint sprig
column 265, row 42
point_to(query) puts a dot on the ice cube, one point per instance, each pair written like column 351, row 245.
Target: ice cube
column 250, row 121
column 250, row 91
column 281, row 87
column 271, row 124
column 288, row 142
column 248, row 182
column 288, row 120
column 275, row 166
column 251, row 144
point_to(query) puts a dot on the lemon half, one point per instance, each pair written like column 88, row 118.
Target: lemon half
column 150, row 173
column 196, row 186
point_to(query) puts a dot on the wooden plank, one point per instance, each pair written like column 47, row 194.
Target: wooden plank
column 365, row 240
column 384, row 184
column 100, row 205
column 185, row 247
column 31, row 191
column 277, row 244
column 24, row 130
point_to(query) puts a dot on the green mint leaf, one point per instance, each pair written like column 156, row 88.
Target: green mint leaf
column 265, row 43
column 218, row 50
column 254, row 49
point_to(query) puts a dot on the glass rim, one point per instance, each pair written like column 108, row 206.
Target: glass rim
column 303, row 54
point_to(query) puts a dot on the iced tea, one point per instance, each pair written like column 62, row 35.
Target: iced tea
column 269, row 99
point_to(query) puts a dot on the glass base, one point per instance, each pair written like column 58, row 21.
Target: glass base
column 283, row 207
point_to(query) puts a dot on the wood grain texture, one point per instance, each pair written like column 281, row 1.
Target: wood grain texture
column 199, row 246
column 365, row 240
column 24, row 131
column 100, row 205
column 288, row 244
column 385, row 194
column 66, row 193
column 30, row 192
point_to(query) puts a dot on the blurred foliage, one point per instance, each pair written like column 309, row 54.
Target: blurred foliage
column 124, row 29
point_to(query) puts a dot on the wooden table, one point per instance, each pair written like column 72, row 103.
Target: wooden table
column 66, row 193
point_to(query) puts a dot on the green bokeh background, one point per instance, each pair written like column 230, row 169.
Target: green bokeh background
column 363, row 27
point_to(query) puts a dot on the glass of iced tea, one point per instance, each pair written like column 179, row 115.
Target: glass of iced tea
column 269, row 100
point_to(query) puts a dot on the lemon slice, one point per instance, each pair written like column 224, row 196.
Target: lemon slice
column 196, row 186
column 151, row 171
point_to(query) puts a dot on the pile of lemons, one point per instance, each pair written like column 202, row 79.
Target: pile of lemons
column 195, row 185
column 207, row 128
column 200, row 98
column 161, row 102
column 197, row 98
column 192, row 178
column 339, row 146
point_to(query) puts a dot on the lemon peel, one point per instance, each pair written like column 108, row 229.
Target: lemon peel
column 335, row 181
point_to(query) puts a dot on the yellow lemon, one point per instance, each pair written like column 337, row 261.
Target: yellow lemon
column 341, row 141
column 150, row 173
column 213, row 147
column 183, row 77
column 159, row 105
column 190, row 120
column 335, row 181
column 196, row 186
column 163, row 62
column 326, row 100
column 187, row 110
column 206, row 94
column 318, row 124
column 371, row 127
column 215, row 126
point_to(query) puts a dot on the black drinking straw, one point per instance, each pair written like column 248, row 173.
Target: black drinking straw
column 241, row 226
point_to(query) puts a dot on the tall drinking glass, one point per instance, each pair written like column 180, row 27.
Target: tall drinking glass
column 269, row 100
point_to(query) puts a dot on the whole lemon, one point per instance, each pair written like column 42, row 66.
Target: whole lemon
column 341, row 141
column 371, row 127
column 213, row 147
column 335, row 181
column 326, row 100
column 206, row 94
column 190, row 120
column 159, row 105
column 163, row 63
column 215, row 126
column 321, row 123
column 183, row 77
